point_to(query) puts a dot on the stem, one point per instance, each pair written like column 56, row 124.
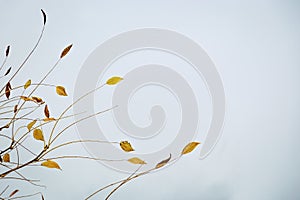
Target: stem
column 29, row 55
column 68, row 108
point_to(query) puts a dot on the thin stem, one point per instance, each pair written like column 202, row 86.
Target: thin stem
column 125, row 181
column 80, row 120
column 4, row 190
column 27, row 58
column 76, row 141
column 68, row 108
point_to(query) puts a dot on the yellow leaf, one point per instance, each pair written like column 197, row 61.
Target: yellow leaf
column 25, row 98
column 49, row 119
column 163, row 162
column 114, row 80
column 6, row 157
column 136, row 160
column 60, row 90
column 27, row 84
column 66, row 51
column 31, row 124
column 38, row 134
column 189, row 147
column 126, row 146
column 50, row 164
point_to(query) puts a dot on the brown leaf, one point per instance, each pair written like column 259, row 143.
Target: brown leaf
column 46, row 111
column 126, row 146
column 25, row 98
column 13, row 193
column 7, row 90
column 7, row 72
column 44, row 16
column 27, row 84
column 7, row 51
column 60, row 90
column 15, row 108
column 136, row 160
column 189, row 147
column 37, row 100
column 38, row 134
column 31, row 124
column 66, row 51
column 6, row 157
column 163, row 162
column 114, row 80
column 50, row 164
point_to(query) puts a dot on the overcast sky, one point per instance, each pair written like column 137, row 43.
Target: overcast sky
column 255, row 46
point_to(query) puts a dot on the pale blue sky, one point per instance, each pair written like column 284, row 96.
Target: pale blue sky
column 255, row 46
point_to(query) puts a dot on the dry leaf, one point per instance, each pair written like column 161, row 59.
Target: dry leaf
column 37, row 100
column 66, row 51
column 163, row 163
column 7, row 50
column 27, row 84
column 46, row 111
column 31, row 124
column 15, row 108
column 60, row 90
column 13, row 193
column 49, row 119
column 7, row 72
column 114, row 80
column 50, row 164
column 7, row 90
column 44, row 16
column 126, row 146
column 136, row 160
column 38, row 134
column 6, row 157
column 25, row 98
column 189, row 147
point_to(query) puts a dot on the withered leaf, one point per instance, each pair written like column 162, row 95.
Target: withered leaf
column 7, row 72
column 46, row 111
column 49, row 119
column 13, row 193
column 114, row 80
column 189, row 147
column 126, row 146
column 25, row 98
column 60, row 90
column 6, row 157
column 44, row 16
column 31, row 124
column 38, row 134
column 136, row 160
column 66, row 51
column 15, row 108
column 50, row 164
column 27, row 84
column 7, row 50
column 37, row 100
column 7, row 90
column 163, row 162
